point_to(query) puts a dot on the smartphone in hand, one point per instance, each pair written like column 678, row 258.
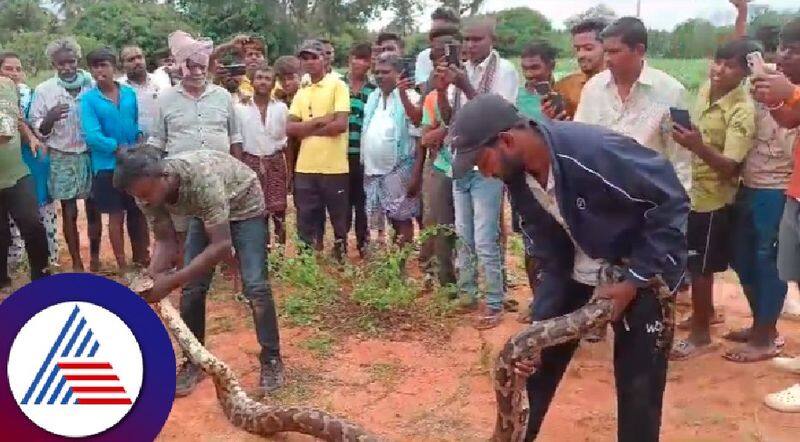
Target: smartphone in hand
column 681, row 117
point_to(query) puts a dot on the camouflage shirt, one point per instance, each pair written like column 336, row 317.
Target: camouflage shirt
column 214, row 187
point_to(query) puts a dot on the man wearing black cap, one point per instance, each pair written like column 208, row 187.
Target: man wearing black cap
column 591, row 198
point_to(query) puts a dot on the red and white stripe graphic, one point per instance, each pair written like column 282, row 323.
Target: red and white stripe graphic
column 94, row 383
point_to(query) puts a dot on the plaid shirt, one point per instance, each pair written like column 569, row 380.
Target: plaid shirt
column 358, row 100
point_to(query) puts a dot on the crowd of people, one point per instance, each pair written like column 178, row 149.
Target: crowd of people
column 603, row 175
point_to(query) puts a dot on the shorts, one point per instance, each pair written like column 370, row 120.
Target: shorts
column 70, row 175
column 106, row 197
column 789, row 242
column 709, row 241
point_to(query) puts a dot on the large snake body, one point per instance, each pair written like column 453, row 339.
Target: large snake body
column 266, row 420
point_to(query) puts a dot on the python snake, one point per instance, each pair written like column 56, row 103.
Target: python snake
column 511, row 419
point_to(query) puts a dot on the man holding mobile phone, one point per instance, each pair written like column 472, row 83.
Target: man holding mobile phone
column 538, row 62
column 725, row 132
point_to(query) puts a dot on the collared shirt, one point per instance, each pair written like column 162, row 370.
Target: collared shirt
column 12, row 169
column 214, row 187
column 66, row 135
column 769, row 163
column 506, row 78
column 358, row 99
column 643, row 116
column 570, row 87
column 529, row 104
column 325, row 155
column 107, row 125
column 263, row 136
column 147, row 100
column 728, row 126
column 586, row 270
column 187, row 123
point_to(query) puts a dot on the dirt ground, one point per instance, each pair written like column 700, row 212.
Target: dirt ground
column 426, row 388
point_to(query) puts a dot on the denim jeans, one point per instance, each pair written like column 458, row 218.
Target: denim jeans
column 757, row 219
column 248, row 237
column 478, row 201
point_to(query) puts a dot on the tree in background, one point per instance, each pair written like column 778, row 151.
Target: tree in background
column 516, row 27
column 406, row 14
column 467, row 7
column 694, row 38
column 21, row 16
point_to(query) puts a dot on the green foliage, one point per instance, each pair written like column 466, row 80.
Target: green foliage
column 381, row 284
column 516, row 27
column 321, row 345
column 31, row 45
column 118, row 22
column 694, row 38
column 308, row 287
column 21, row 16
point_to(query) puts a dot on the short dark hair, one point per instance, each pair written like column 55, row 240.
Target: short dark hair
column 737, row 50
column 362, row 51
column 5, row 55
column 389, row 36
column 286, row 65
column 101, row 55
column 790, row 34
column 139, row 162
column 444, row 31
column 541, row 49
column 445, row 14
column 262, row 67
column 630, row 30
column 595, row 25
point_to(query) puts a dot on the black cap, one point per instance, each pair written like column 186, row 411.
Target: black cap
column 475, row 123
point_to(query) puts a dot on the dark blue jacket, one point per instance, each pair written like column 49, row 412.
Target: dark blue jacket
column 621, row 201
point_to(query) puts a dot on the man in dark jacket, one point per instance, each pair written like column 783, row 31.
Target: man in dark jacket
column 589, row 199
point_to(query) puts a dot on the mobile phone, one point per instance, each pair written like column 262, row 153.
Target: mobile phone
column 756, row 63
column 452, row 53
column 409, row 67
column 543, row 88
column 681, row 117
column 235, row 69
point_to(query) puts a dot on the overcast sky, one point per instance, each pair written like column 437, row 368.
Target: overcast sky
column 658, row 14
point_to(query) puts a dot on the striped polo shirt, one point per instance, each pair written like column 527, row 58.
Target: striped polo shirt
column 358, row 100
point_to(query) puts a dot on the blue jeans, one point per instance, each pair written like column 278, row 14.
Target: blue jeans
column 249, row 239
column 478, row 201
column 757, row 218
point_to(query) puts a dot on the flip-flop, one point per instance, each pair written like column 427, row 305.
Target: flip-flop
column 747, row 354
column 684, row 350
column 742, row 336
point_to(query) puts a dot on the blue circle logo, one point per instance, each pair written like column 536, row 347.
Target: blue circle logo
column 85, row 358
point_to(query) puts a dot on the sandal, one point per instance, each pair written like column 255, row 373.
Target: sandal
column 792, row 365
column 787, row 401
column 742, row 336
column 489, row 320
column 747, row 353
column 686, row 324
column 685, row 349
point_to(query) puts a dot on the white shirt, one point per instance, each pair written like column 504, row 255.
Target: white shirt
column 586, row 270
column 506, row 79
column 66, row 135
column 147, row 100
column 161, row 78
column 423, row 68
column 262, row 137
column 378, row 143
column 643, row 116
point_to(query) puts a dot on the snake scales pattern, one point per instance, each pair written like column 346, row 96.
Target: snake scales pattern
column 266, row 420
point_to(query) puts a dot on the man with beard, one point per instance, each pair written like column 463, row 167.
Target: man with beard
column 54, row 114
column 570, row 181
column 145, row 85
